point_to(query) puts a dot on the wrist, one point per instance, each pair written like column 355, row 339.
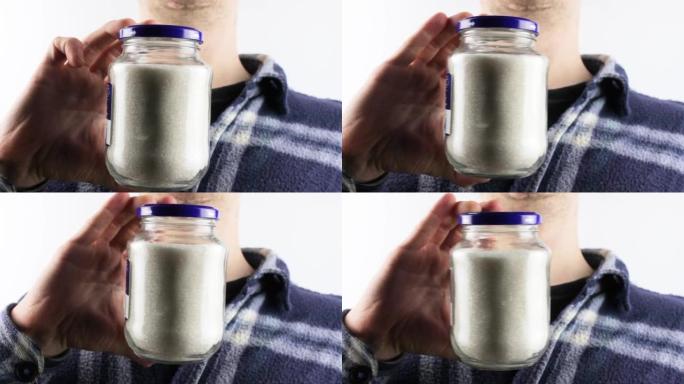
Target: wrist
column 16, row 168
column 378, row 341
column 358, row 168
column 357, row 156
column 46, row 336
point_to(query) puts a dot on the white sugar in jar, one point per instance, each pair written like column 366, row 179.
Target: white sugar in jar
column 497, row 117
column 175, row 288
column 160, row 99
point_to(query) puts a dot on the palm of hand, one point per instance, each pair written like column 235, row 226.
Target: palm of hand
column 78, row 301
column 95, row 298
column 57, row 129
column 397, row 123
column 71, row 104
column 410, row 131
column 91, row 304
column 419, row 294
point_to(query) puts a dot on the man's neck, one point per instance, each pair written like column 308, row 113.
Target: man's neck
column 567, row 262
column 558, row 39
column 219, row 49
column 220, row 52
column 237, row 266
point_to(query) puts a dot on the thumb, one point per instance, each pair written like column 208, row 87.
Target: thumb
column 454, row 235
column 140, row 360
column 128, row 352
column 445, row 170
column 120, row 347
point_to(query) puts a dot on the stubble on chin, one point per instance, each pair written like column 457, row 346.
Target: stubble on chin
column 186, row 12
column 527, row 201
column 188, row 4
column 525, row 5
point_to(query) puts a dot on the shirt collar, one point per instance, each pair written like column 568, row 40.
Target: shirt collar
column 610, row 276
column 609, row 80
column 268, row 79
column 271, row 275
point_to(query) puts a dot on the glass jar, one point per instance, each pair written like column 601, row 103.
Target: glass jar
column 496, row 109
column 159, row 109
column 175, row 284
column 500, row 299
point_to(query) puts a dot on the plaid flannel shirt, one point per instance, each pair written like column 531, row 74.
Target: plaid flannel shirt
column 612, row 139
column 613, row 332
column 275, row 332
column 271, row 139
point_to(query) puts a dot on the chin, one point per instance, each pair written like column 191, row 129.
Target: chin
column 188, row 4
column 518, row 196
column 528, row 5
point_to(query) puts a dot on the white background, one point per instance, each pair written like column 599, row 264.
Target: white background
column 644, row 230
column 303, row 229
column 302, row 35
column 644, row 36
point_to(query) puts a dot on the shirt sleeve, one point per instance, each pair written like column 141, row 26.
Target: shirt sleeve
column 358, row 363
column 20, row 358
column 5, row 185
column 350, row 185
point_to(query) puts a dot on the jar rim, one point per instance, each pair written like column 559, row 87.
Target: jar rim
column 503, row 22
column 499, row 218
column 178, row 210
column 161, row 30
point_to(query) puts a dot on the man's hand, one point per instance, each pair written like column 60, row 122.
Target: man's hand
column 396, row 124
column 407, row 308
column 78, row 300
column 56, row 131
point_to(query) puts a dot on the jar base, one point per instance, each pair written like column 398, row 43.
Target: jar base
column 160, row 359
column 493, row 365
column 136, row 185
column 509, row 174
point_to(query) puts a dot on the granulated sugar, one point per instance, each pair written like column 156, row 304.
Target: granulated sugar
column 501, row 307
column 177, row 300
column 160, row 124
column 498, row 116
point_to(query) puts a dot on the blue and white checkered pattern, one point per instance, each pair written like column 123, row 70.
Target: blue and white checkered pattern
column 613, row 332
column 612, row 139
column 270, row 139
column 275, row 332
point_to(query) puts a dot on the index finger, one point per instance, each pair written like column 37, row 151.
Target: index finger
column 128, row 225
column 443, row 42
column 438, row 220
column 101, row 39
column 103, row 218
column 455, row 233
column 125, row 216
column 419, row 41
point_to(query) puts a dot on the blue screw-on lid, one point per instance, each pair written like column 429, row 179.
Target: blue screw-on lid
column 161, row 30
column 500, row 218
column 498, row 22
column 178, row 210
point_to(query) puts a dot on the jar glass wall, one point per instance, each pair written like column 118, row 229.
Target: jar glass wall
column 160, row 95
column 175, row 285
column 500, row 291
column 497, row 118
